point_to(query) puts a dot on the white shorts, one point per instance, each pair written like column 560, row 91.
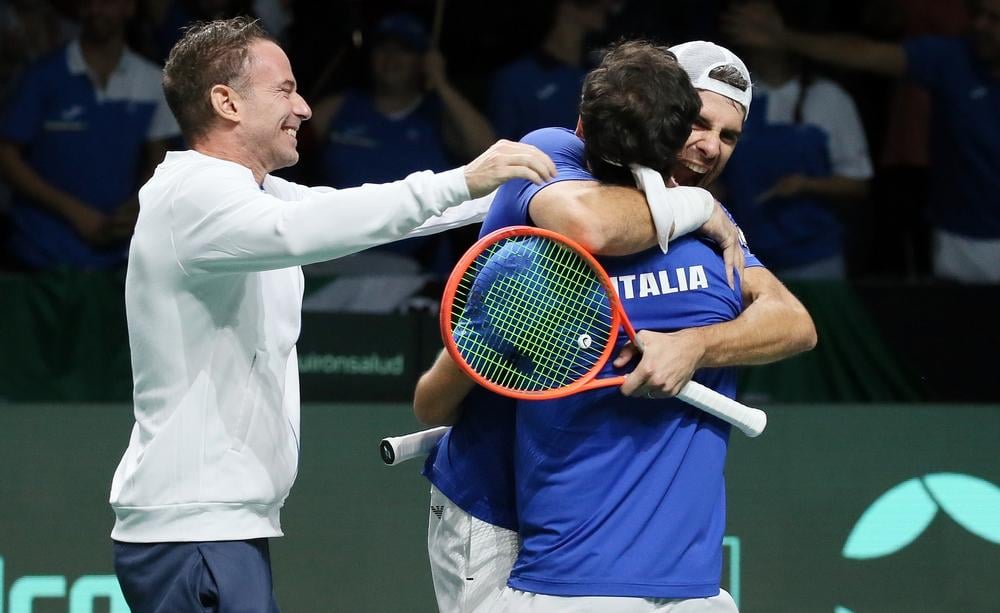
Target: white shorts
column 470, row 559
column 516, row 601
column 968, row 260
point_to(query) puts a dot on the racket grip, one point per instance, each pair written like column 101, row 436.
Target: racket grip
column 397, row 449
column 748, row 420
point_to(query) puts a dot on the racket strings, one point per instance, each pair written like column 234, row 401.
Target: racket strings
column 538, row 340
column 521, row 313
column 509, row 368
column 567, row 265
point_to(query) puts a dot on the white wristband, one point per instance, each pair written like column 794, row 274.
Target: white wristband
column 682, row 209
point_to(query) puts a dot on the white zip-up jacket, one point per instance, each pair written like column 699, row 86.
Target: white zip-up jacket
column 213, row 297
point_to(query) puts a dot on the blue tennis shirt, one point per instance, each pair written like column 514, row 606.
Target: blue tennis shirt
column 534, row 91
column 85, row 141
column 364, row 146
column 473, row 463
column 621, row 496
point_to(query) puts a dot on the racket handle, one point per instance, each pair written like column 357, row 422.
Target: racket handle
column 748, row 420
column 397, row 449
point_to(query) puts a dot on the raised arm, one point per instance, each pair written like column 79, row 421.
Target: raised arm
column 604, row 219
column 755, row 24
column 437, row 399
column 773, row 325
column 466, row 131
column 323, row 113
column 613, row 220
column 831, row 188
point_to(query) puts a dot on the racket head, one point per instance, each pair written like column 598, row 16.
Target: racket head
column 530, row 314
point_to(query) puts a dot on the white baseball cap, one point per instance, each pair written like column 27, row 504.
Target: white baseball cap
column 698, row 58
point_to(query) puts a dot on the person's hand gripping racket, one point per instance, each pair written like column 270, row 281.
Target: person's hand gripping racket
column 529, row 314
column 667, row 361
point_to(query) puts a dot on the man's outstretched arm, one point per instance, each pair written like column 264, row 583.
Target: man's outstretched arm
column 761, row 25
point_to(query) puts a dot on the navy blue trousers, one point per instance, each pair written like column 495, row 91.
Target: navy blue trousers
column 216, row 577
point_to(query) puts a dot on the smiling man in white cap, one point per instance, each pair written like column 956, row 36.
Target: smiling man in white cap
column 723, row 82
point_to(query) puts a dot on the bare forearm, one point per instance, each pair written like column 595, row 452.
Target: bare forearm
column 470, row 131
column 766, row 332
column 437, row 400
column 848, row 51
column 772, row 327
column 604, row 219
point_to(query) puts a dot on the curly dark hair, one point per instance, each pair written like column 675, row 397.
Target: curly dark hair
column 210, row 53
column 637, row 107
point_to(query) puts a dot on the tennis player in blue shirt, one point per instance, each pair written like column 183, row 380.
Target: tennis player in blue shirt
column 626, row 536
column 617, row 495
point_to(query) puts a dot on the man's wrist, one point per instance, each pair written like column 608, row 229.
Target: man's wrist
column 692, row 207
column 71, row 209
column 700, row 338
column 453, row 186
column 675, row 211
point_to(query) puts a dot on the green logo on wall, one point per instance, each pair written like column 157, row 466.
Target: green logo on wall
column 371, row 364
column 81, row 593
column 899, row 516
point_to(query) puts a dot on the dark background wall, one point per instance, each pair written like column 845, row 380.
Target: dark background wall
column 63, row 339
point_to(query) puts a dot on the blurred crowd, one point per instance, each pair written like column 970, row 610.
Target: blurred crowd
column 879, row 168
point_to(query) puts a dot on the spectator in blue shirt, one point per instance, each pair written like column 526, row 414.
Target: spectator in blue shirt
column 85, row 126
column 411, row 118
column 962, row 76
column 542, row 89
column 28, row 30
column 803, row 157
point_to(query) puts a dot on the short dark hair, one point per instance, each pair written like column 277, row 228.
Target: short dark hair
column 637, row 107
column 210, row 53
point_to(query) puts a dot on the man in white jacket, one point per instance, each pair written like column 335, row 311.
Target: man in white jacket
column 213, row 298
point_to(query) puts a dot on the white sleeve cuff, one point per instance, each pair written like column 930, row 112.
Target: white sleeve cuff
column 451, row 188
column 681, row 209
column 467, row 213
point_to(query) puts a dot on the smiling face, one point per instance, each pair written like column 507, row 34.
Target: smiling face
column 713, row 137
column 274, row 110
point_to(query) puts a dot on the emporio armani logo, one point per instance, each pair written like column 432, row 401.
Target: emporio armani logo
column 437, row 509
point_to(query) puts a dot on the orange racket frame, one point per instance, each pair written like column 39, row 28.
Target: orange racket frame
column 588, row 380
column 748, row 420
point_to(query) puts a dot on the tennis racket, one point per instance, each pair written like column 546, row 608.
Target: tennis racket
column 529, row 314
column 398, row 449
